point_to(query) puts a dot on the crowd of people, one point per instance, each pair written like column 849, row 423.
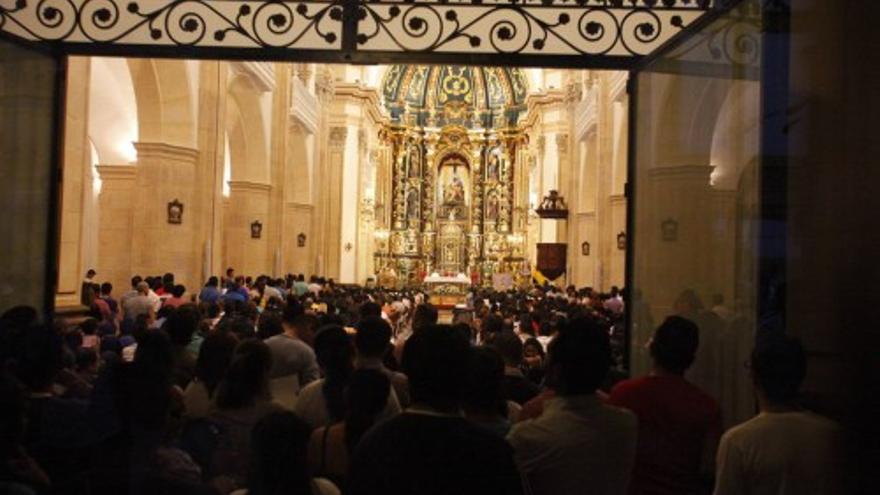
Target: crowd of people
column 271, row 386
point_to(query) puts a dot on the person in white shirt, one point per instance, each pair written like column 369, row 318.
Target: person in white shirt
column 784, row 450
column 579, row 444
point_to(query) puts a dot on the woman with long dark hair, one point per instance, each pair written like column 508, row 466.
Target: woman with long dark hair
column 331, row 447
column 322, row 402
column 242, row 399
column 215, row 356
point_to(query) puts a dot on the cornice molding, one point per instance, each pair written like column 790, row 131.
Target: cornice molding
column 244, row 185
column 303, row 106
column 702, row 172
column 165, row 150
column 294, row 205
column 363, row 95
column 261, row 74
column 116, row 172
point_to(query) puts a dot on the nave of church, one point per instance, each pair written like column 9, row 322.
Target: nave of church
column 292, row 212
column 380, row 173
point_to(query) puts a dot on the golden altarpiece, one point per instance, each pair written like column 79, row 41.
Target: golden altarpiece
column 459, row 198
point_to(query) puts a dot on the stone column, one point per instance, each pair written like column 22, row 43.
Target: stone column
column 348, row 201
column 682, row 194
column 248, row 203
column 166, row 173
column 278, row 162
column 324, row 91
column 76, row 186
column 298, row 207
column 209, row 171
column 563, row 184
column 115, row 234
column 328, row 211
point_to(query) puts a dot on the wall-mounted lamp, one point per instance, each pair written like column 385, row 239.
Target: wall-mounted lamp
column 256, row 229
column 621, row 241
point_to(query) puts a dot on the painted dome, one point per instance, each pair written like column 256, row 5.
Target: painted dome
column 440, row 95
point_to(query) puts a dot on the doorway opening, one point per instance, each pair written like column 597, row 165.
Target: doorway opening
column 687, row 127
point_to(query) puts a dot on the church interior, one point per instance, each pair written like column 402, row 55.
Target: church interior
column 381, row 174
column 722, row 180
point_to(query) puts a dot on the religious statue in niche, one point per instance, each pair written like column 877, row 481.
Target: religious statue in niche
column 493, row 168
column 453, row 191
column 492, row 206
column 412, row 205
column 415, row 162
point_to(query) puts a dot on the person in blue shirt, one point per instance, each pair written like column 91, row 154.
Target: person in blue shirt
column 210, row 293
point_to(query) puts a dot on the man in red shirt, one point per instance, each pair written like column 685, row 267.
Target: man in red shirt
column 679, row 425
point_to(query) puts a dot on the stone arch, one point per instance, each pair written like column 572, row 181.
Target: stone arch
column 685, row 124
column 164, row 101
column 736, row 135
column 238, row 142
column 114, row 111
column 245, row 101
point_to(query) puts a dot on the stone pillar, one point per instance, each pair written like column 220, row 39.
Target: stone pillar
column 691, row 260
column 328, row 211
column 209, row 170
column 248, row 203
column 347, row 201
column 278, row 163
column 584, row 225
column 76, row 186
column 324, row 91
column 166, row 173
column 116, row 225
column 563, row 184
column 298, row 206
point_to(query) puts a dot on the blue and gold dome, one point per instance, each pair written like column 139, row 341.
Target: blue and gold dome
column 440, row 95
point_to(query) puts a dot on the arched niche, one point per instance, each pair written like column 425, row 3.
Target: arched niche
column 453, row 180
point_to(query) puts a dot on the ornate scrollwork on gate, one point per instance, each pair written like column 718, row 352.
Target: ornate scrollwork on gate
column 356, row 30
column 529, row 27
column 194, row 23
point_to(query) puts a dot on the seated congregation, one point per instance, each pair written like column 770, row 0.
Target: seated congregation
column 270, row 387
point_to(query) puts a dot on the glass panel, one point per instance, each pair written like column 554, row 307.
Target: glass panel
column 27, row 144
column 697, row 173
